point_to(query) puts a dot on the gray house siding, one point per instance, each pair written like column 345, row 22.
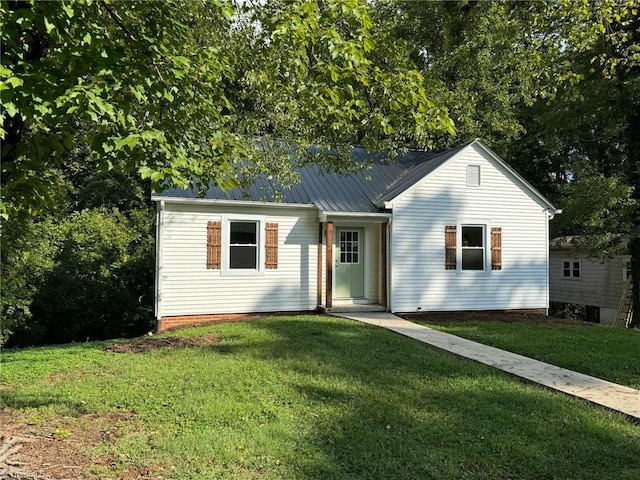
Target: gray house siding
column 601, row 282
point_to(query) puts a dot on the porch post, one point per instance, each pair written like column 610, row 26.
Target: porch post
column 329, row 264
column 319, row 292
column 383, row 264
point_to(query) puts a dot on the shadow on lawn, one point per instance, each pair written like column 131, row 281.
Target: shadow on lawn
column 20, row 400
column 398, row 409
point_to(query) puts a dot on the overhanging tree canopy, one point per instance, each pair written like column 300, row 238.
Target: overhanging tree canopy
column 179, row 90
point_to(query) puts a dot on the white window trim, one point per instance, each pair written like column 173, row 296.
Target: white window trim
column 625, row 260
column 486, row 224
column 570, row 277
column 226, row 233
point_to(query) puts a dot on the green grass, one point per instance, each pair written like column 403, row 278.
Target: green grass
column 605, row 352
column 315, row 398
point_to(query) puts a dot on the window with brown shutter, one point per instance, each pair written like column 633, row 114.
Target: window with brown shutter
column 271, row 246
column 450, row 247
column 496, row 248
column 214, row 245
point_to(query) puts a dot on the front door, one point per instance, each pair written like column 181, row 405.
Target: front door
column 350, row 263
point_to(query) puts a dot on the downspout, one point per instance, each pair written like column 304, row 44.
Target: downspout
column 550, row 213
column 158, row 287
column 389, row 260
column 547, row 281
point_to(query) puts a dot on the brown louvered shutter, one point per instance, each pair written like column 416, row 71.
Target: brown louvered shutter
column 450, row 247
column 496, row 248
column 214, row 245
column 271, row 246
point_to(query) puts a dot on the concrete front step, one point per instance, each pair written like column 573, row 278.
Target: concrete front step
column 354, row 308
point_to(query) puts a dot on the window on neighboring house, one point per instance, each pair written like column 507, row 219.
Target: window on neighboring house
column 626, row 269
column 571, row 268
column 473, row 253
column 473, row 175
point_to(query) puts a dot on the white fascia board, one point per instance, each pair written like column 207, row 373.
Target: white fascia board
column 356, row 214
column 230, row 203
column 352, row 217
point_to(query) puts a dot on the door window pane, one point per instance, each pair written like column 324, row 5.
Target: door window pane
column 349, row 246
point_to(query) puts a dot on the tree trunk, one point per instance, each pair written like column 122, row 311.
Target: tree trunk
column 633, row 173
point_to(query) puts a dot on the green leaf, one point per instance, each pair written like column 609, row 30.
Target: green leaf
column 68, row 141
column 130, row 141
column 10, row 108
column 168, row 95
column 68, row 9
column 15, row 82
column 50, row 27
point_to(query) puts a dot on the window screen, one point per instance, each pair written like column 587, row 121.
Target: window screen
column 472, row 248
column 243, row 245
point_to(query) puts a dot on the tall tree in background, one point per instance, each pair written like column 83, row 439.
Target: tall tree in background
column 553, row 87
column 96, row 92
column 485, row 60
column 180, row 90
column 603, row 40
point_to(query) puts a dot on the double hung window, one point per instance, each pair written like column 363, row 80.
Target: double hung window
column 473, row 247
column 571, row 268
column 243, row 245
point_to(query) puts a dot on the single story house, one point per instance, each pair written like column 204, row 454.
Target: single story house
column 598, row 284
column 456, row 230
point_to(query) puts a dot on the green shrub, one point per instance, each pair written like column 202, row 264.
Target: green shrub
column 28, row 255
column 88, row 276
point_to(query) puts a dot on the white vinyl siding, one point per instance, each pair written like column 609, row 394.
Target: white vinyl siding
column 420, row 281
column 189, row 288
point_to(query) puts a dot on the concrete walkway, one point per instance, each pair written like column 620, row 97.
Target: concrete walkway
column 607, row 394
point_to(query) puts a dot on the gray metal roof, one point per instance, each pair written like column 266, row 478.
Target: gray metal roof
column 357, row 192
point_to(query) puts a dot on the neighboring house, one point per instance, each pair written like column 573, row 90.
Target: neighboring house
column 448, row 231
column 598, row 284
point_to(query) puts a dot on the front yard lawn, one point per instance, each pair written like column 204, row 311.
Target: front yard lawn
column 598, row 350
column 305, row 397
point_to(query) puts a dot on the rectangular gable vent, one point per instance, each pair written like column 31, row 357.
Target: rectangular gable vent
column 473, row 175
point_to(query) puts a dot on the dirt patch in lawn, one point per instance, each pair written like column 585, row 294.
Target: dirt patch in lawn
column 66, row 447
column 506, row 317
column 141, row 345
